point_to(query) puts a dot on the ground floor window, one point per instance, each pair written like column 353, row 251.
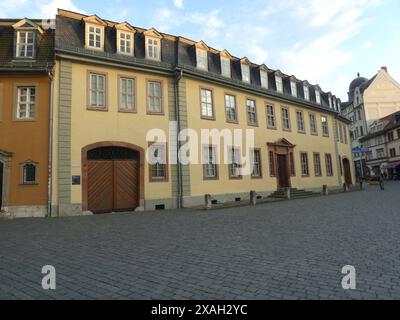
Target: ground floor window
column 210, row 162
column 256, row 163
column 29, row 172
column 158, row 162
column 304, row 164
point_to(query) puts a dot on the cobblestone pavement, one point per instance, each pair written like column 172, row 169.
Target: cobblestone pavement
column 283, row 250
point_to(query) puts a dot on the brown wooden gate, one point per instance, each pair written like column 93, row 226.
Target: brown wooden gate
column 112, row 185
column 347, row 172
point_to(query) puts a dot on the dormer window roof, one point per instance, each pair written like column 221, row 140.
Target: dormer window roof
column 225, row 59
column 153, row 44
column 245, row 68
column 26, row 33
column 125, row 38
column 94, row 33
column 202, row 55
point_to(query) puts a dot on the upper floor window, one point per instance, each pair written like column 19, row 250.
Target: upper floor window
column 279, row 85
column 264, row 79
column 380, row 153
column 154, row 97
column 95, row 37
column 306, row 92
column 226, row 67
column 391, row 136
column 300, row 121
column 325, row 128
column 207, row 108
column 153, row 48
column 126, row 94
column 318, row 96
column 25, row 44
column 285, row 119
column 26, row 103
column 313, row 124
column 201, row 58
column 97, row 90
column 271, row 120
column 293, row 88
column 245, row 72
column 251, row 112
column 230, row 108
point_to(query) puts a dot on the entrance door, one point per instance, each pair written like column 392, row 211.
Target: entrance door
column 1, row 183
column 112, row 180
column 347, row 172
column 283, row 177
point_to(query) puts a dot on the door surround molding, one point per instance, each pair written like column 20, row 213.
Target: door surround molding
column 126, row 145
column 5, row 159
column 281, row 147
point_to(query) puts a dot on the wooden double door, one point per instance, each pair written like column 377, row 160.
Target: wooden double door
column 283, row 171
column 113, row 185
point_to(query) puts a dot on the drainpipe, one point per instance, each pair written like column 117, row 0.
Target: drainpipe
column 50, row 158
column 178, row 77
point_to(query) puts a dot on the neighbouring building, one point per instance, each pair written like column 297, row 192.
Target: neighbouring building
column 383, row 142
column 115, row 82
column 26, row 63
column 369, row 100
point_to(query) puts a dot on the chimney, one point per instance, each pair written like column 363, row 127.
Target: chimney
column 384, row 68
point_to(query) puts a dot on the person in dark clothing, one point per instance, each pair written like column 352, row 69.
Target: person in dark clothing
column 382, row 181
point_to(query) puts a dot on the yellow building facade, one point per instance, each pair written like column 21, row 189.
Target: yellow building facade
column 118, row 86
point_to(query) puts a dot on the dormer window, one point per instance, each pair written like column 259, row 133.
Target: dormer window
column 293, row 88
column 306, row 92
column 318, row 96
column 334, row 103
column 201, row 58
column 264, row 79
column 245, row 68
column 279, row 85
column 25, row 44
column 226, row 67
column 26, row 32
column 153, row 44
column 125, row 39
column 330, row 102
column 94, row 33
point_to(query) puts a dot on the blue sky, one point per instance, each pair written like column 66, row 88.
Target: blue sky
column 324, row 41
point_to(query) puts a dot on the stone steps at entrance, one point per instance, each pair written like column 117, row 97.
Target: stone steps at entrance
column 294, row 193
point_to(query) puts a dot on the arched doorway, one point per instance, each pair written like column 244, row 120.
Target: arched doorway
column 347, row 172
column 112, row 177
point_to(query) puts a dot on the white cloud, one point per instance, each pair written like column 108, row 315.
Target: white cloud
column 48, row 9
column 367, row 44
column 178, row 3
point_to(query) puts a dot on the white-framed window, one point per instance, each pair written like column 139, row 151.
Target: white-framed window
column 226, row 67
column 271, row 119
column 264, row 79
column 306, row 92
column 154, row 96
column 279, row 85
column 329, row 165
column 245, row 72
column 300, row 121
column 26, row 103
column 95, row 37
column 293, row 88
column 207, row 109
column 304, row 164
column 29, row 173
column 318, row 96
column 230, row 108
column 153, row 48
column 251, row 112
column 256, row 163
column 158, row 162
column 317, row 165
column 202, row 60
column 313, row 124
column 330, row 102
column 210, row 162
column 125, row 43
column 25, row 44
column 126, row 94
column 97, row 90
column 325, row 128
column 234, row 163
column 285, row 118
